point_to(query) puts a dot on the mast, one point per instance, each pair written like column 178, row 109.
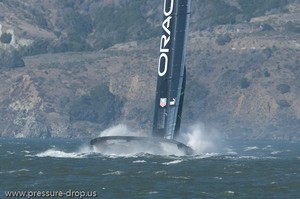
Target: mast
column 171, row 69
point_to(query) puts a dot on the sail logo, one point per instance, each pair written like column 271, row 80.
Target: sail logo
column 165, row 38
column 163, row 102
column 172, row 103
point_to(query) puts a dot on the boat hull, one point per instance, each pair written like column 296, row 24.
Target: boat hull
column 135, row 144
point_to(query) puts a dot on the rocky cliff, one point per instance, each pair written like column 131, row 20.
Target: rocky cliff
column 243, row 68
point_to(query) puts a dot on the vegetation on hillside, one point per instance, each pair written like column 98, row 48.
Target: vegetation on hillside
column 242, row 68
column 253, row 8
column 86, row 26
column 11, row 59
column 6, row 38
column 99, row 106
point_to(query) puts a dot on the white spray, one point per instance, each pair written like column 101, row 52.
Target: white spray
column 201, row 139
column 120, row 130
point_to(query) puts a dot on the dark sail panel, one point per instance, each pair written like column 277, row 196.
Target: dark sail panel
column 171, row 69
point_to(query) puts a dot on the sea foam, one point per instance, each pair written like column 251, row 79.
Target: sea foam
column 60, row 154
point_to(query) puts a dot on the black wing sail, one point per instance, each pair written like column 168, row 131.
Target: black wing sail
column 169, row 91
column 171, row 69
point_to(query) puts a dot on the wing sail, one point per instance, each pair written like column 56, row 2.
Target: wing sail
column 171, row 69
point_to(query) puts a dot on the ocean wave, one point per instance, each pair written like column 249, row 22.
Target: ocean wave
column 250, row 148
column 114, row 156
column 113, row 173
column 180, row 177
column 60, row 154
column 18, row 171
column 160, row 172
column 276, row 152
column 139, row 161
column 153, row 192
column 230, row 151
column 267, row 147
column 172, row 162
column 218, row 178
column 229, row 193
column 249, row 157
column 204, row 156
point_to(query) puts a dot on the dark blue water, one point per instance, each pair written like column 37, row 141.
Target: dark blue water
column 242, row 169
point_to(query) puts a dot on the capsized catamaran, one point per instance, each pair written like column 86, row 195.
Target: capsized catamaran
column 170, row 83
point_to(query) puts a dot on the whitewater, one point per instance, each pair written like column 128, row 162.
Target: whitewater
column 219, row 169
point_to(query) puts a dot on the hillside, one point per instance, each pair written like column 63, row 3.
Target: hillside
column 74, row 68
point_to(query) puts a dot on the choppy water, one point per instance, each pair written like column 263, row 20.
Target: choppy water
column 242, row 169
